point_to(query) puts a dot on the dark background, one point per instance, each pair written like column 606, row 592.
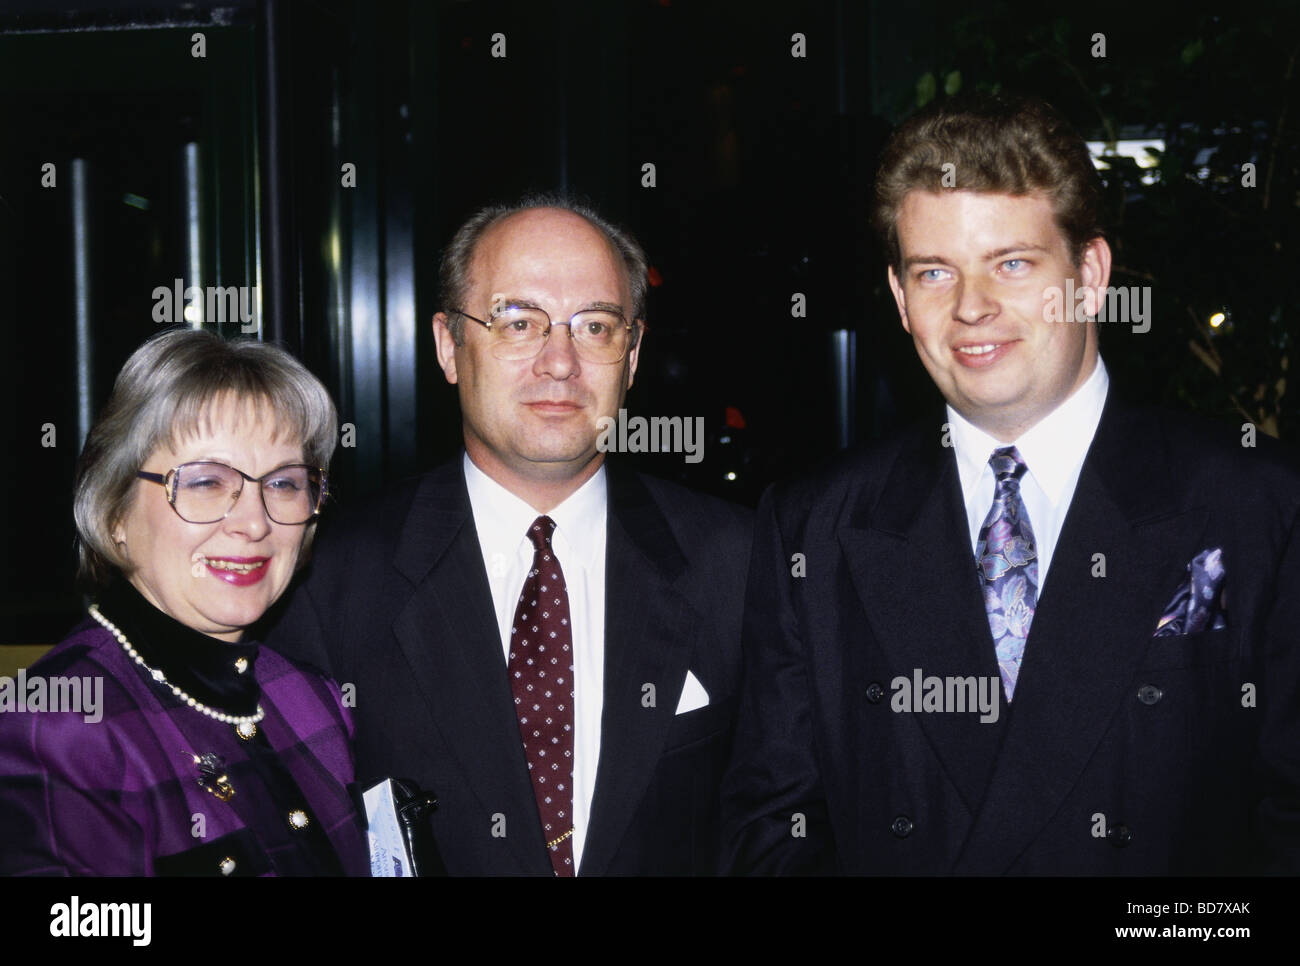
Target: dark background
column 763, row 165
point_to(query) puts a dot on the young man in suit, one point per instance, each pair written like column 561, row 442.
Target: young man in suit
column 1047, row 632
column 544, row 640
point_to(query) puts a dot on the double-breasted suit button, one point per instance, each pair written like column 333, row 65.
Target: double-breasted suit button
column 1119, row 835
column 1149, row 694
column 902, row 826
column 875, row 692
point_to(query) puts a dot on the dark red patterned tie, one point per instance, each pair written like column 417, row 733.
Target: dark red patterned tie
column 541, row 677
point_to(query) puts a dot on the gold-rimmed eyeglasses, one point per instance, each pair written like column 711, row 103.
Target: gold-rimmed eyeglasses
column 518, row 332
column 206, row 491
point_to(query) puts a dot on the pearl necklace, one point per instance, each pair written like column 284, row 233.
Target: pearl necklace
column 240, row 721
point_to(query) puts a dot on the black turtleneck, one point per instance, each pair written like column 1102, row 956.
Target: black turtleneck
column 203, row 667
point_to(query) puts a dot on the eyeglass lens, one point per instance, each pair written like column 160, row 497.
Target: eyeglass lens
column 206, row 492
column 597, row 335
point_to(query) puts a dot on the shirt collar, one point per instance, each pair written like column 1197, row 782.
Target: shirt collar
column 502, row 519
column 1053, row 448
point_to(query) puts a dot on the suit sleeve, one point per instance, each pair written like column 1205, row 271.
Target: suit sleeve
column 1278, row 813
column 774, row 810
column 60, row 799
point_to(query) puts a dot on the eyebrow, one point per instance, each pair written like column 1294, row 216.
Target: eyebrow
column 914, row 260
column 588, row 307
column 507, row 303
column 602, row 307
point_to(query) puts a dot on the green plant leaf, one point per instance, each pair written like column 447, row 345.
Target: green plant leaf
column 1193, row 51
column 925, row 89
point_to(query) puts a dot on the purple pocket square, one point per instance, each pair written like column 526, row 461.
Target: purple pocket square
column 1198, row 603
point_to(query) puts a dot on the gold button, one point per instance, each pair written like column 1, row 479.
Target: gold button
column 227, row 865
column 298, row 818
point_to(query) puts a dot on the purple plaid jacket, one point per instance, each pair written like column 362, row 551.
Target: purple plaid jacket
column 122, row 796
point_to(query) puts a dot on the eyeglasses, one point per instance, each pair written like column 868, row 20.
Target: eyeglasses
column 206, row 491
column 599, row 335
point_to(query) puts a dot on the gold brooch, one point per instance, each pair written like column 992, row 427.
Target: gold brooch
column 212, row 776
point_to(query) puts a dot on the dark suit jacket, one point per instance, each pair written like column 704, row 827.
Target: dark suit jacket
column 397, row 603
column 1086, row 772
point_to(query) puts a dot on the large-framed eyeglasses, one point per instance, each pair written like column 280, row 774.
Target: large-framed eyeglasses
column 206, row 491
column 518, row 332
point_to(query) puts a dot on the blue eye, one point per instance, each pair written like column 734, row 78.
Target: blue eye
column 931, row 274
column 1013, row 264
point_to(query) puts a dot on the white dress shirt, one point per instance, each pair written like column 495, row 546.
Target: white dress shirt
column 502, row 521
column 1053, row 450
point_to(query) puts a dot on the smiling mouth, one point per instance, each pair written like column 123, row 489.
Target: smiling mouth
column 979, row 350
column 235, row 566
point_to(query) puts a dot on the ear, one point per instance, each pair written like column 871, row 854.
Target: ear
column 445, row 345
column 1094, row 275
column 899, row 299
column 635, row 352
column 118, row 533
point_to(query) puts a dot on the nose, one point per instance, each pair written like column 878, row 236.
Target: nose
column 248, row 516
column 975, row 302
column 559, row 357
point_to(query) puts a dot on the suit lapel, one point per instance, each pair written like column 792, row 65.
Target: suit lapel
column 1089, row 632
column 649, row 635
column 448, row 634
column 914, row 573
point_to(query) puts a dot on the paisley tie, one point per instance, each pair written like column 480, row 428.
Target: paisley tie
column 1006, row 559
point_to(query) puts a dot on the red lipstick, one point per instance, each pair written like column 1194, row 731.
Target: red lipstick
column 237, row 571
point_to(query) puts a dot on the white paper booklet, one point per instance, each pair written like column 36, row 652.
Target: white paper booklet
column 388, row 856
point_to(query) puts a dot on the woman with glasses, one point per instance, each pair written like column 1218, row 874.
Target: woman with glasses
column 196, row 499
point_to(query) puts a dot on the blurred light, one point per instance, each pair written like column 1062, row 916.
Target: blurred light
column 82, row 293
column 731, row 476
column 724, row 440
column 135, row 201
column 193, row 218
column 1135, row 149
column 735, row 419
column 193, row 314
column 1217, row 319
column 655, row 278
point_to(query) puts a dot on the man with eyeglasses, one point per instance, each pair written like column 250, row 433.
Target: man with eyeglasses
column 543, row 639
